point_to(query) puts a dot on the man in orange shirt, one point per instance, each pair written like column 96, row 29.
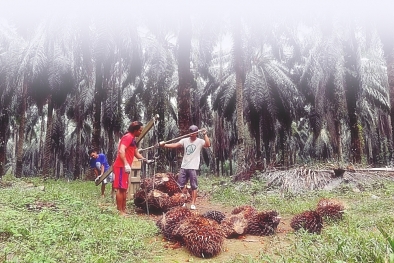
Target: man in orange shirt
column 127, row 149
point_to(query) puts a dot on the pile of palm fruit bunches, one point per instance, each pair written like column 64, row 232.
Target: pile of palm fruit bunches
column 203, row 234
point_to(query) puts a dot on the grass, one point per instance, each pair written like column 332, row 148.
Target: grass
column 364, row 235
column 82, row 227
column 78, row 229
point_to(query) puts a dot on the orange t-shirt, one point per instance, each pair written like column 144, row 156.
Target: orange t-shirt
column 131, row 144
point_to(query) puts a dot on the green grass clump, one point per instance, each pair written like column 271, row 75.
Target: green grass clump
column 79, row 227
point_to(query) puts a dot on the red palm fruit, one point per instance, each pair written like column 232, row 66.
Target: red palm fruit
column 311, row 221
column 147, row 183
column 157, row 201
column 167, row 183
column 139, row 199
column 215, row 215
column 330, row 208
column 234, row 225
column 263, row 223
column 202, row 236
column 247, row 211
column 170, row 220
column 178, row 199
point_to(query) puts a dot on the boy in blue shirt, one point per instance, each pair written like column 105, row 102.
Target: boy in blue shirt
column 99, row 162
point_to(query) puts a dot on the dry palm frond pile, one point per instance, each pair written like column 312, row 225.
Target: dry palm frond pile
column 298, row 180
column 301, row 180
column 161, row 193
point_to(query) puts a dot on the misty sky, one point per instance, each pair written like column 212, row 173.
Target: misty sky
column 381, row 12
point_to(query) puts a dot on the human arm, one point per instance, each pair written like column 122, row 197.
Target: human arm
column 171, row 145
column 206, row 139
column 122, row 156
column 138, row 155
column 96, row 172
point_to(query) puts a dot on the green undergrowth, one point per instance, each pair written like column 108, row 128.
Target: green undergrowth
column 365, row 234
column 59, row 221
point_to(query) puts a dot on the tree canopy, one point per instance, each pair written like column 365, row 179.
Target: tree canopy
column 282, row 83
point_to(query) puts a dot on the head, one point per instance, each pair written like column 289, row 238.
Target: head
column 92, row 153
column 193, row 129
column 135, row 128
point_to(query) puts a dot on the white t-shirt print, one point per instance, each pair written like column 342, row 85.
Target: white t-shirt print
column 192, row 151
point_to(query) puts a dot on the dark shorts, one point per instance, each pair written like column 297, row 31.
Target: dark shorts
column 188, row 174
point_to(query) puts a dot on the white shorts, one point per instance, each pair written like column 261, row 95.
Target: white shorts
column 109, row 179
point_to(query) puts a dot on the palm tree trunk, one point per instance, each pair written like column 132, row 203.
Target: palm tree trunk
column 185, row 76
column 78, row 133
column 48, row 141
column 21, row 132
column 338, row 134
column 159, row 133
column 351, row 91
column 239, row 80
column 42, row 143
column 390, row 75
column 111, row 146
column 4, row 122
column 97, row 107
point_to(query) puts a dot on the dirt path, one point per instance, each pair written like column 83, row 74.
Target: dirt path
column 238, row 250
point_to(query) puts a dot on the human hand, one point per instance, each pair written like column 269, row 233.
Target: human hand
column 149, row 161
column 127, row 168
column 160, row 144
column 97, row 178
column 204, row 131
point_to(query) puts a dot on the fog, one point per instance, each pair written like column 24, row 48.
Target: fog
column 378, row 12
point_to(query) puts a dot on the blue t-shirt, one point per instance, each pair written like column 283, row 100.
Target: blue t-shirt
column 101, row 158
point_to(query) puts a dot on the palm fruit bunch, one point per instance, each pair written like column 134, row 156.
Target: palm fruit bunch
column 161, row 192
column 139, row 199
column 201, row 236
column 311, row 221
column 164, row 182
column 167, row 183
column 234, row 225
column 214, row 215
column 168, row 221
column 178, row 199
column 237, row 223
column 263, row 223
column 247, row 211
column 157, row 201
column 330, row 208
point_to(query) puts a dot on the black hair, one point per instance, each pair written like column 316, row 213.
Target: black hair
column 91, row 150
column 134, row 126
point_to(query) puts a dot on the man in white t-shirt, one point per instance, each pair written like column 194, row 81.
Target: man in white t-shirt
column 191, row 159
